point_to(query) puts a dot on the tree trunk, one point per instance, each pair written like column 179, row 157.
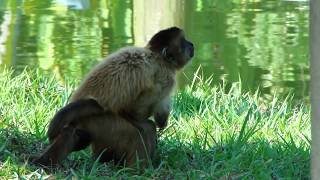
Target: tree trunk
column 315, row 86
column 150, row 16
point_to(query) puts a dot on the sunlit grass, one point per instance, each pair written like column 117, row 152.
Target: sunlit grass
column 213, row 132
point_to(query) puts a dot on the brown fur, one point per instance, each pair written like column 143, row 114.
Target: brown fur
column 70, row 113
column 105, row 132
column 137, row 82
column 133, row 82
column 129, row 86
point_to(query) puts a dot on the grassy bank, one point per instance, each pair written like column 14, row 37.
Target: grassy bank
column 212, row 133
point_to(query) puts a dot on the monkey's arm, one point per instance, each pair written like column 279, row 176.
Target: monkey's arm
column 161, row 112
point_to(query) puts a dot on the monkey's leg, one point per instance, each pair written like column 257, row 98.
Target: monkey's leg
column 69, row 139
column 120, row 141
column 143, row 146
column 129, row 155
column 107, row 154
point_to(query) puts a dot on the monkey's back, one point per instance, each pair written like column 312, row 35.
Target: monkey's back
column 119, row 79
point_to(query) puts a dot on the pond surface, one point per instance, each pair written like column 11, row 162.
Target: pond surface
column 263, row 42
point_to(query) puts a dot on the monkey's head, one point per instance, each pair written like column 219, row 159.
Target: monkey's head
column 172, row 45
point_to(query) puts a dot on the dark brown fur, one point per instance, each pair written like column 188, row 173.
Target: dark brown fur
column 112, row 137
column 69, row 113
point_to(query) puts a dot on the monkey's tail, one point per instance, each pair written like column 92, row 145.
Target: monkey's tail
column 71, row 113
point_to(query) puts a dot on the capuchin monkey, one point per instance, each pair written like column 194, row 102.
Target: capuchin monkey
column 111, row 138
column 111, row 106
column 134, row 83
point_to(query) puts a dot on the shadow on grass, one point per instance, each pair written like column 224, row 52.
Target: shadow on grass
column 17, row 150
column 17, row 145
column 175, row 159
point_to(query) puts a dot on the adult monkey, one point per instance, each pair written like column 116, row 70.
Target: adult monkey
column 133, row 83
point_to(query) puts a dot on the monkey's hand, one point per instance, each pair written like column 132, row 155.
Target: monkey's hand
column 161, row 119
column 161, row 113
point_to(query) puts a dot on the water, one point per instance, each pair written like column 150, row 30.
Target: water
column 265, row 43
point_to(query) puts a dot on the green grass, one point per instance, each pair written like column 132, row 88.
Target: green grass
column 213, row 133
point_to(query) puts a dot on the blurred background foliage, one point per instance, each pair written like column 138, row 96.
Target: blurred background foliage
column 262, row 43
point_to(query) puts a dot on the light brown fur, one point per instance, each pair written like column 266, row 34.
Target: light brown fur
column 136, row 82
column 132, row 79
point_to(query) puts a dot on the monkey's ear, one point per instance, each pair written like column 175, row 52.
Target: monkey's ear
column 160, row 41
column 164, row 52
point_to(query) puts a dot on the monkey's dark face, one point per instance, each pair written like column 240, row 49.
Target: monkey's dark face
column 186, row 50
column 172, row 45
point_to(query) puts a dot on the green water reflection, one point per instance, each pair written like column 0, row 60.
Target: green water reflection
column 263, row 42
